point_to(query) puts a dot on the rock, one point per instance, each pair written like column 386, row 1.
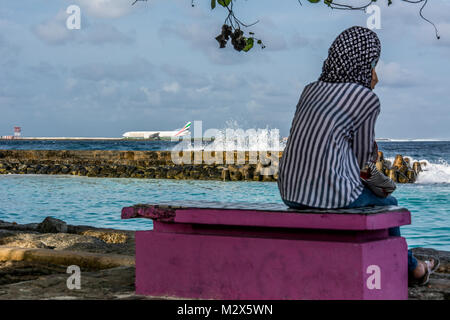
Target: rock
column 275, row 176
column 65, row 170
column 195, row 173
column 407, row 160
column 54, row 169
column 225, row 174
column 130, row 170
column 174, row 172
column 417, row 167
column 387, row 164
column 411, row 174
column 392, row 173
column 247, row 172
column 30, row 171
column 380, row 166
column 18, row 227
column 43, row 170
column 108, row 236
column 52, row 225
column 400, row 164
column 235, row 174
column 402, row 178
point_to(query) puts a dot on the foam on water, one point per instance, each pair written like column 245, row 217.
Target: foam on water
column 433, row 172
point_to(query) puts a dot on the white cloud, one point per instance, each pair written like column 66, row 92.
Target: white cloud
column 106, row 8
column 173, row 87
column 54, row 31
column 253, row 106
column 100, row 34
column 393, row 74
column 153, row 97
column 137, row 68
column 71, row 83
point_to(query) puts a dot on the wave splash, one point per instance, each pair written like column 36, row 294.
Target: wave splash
column 433, row 172
column 234, row 138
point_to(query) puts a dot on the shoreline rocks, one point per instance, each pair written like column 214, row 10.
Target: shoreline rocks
column 33, row 264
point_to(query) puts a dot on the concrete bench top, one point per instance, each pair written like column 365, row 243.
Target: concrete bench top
column 271, row 215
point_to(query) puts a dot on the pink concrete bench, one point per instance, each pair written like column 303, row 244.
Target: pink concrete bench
column 267, row 251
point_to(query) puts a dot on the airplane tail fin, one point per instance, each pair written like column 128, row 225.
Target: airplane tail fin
column 185, row 128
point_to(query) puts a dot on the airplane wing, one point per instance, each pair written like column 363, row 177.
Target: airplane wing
column 154, row 136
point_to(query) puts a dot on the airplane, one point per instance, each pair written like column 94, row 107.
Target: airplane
column 159, row 134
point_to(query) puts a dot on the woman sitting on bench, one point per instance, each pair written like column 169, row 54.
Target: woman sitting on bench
column 330, row 155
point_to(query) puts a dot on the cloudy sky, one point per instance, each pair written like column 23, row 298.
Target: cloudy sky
column 156, row 65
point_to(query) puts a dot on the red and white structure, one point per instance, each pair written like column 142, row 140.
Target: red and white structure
column 17, row 132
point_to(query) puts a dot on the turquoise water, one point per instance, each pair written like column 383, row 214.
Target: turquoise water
column 98, row 201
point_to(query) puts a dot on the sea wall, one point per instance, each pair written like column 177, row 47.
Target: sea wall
column 215, row 165
column 143, row 164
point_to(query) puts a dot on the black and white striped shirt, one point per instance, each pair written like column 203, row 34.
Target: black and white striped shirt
column 331, row 138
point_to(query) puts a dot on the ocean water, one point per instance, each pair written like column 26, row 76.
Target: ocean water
column 98, row 201
column 136, row 145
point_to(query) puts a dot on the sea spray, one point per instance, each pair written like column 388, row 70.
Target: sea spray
column 234, row 138
column 432, row 172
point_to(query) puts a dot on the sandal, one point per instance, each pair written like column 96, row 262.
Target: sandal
column 426, row 278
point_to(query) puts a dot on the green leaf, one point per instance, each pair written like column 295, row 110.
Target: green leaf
column 213, row 4
column 249, row 44
column 314, row 1
column 328, row 2
column 224, row 3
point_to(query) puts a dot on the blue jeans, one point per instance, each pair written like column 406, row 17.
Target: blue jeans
column 368, row 198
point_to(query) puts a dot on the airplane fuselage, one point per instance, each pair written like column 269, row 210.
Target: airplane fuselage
column 154, row 134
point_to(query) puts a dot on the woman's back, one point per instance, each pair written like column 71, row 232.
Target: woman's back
column 331, row 137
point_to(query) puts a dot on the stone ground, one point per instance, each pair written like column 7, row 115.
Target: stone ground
column 26, row 279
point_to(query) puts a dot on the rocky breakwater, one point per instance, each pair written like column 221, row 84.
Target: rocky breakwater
column 402, row 170
column 220, row 165
column 199, row 165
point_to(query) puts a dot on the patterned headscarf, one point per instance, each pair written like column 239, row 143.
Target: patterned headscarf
column 352, row 56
